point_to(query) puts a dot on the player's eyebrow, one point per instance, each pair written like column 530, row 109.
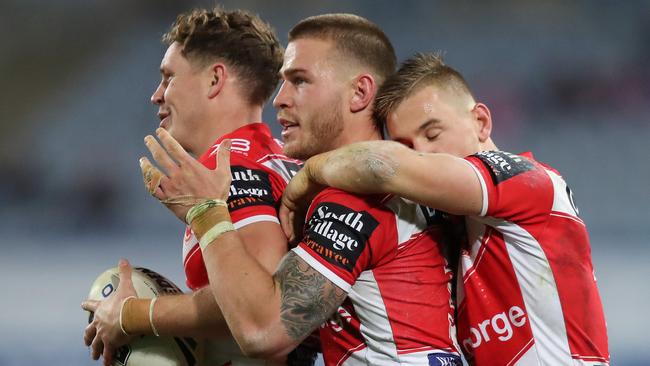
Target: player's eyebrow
column 428, row 123
column 291, row 72
column 164, row 70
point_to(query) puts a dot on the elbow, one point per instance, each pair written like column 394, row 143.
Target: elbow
column 260, row 344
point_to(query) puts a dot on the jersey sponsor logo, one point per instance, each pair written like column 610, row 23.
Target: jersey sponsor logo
column 504, row 165
column 444, row 359
column 499, row 326
column 249, row 187
column 339, row 233
column 246, row 175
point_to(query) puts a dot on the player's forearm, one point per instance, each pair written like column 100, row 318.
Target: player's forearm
column 366, row 167
column 248, row 297
column 190, row 315
column 438, row 181
column 185, row 315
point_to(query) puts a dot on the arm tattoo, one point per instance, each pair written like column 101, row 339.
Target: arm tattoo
column 308, row 298
column 381, row 166
column 364, row 165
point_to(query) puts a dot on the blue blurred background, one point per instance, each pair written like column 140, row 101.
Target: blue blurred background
column 569, row 80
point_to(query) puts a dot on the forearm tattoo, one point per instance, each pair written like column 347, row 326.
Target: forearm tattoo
column 374, row 166
column 380, row 165
column 308, row 298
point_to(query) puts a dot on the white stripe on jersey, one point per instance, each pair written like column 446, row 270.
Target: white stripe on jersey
column 561, row 201
column 375, row 327
column 539, row 291
column 253, row 219
column 409, row 218
column 484, row 205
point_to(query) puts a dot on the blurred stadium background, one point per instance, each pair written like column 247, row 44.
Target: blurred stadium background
column 569, row 80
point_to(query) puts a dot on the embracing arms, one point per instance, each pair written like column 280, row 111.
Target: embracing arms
column 439, row 181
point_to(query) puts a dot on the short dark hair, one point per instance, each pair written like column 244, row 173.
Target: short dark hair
column 240, row 39
column 353, row 36
column 416, row 72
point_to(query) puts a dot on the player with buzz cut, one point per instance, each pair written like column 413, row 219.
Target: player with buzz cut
column 527, row 292
column 219, row 69
column 369, row 271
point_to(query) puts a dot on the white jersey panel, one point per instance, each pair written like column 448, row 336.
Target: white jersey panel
column 375, row 327
column 539, row 292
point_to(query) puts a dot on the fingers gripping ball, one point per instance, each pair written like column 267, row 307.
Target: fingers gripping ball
column 148, row 350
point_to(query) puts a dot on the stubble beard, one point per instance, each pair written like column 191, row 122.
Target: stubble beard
column 325, row 129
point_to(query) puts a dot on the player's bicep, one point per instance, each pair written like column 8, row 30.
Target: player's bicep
column 439, row 181
column 266, row 242
column 307, row 297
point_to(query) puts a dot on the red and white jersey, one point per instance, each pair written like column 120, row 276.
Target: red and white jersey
column 383, row 253
column 260, row 172
column 527, row 294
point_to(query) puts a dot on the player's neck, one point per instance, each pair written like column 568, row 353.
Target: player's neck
column 358, row 131
column 226, row 120
column 488, row 145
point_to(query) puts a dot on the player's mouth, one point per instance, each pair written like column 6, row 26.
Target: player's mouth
column 288, row 127
column 164, row 119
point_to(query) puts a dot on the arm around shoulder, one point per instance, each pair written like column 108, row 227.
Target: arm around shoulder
column 439, row 181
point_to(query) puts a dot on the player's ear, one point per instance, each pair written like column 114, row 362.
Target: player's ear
column 483, row 119
column 364, row 90
column 218, row 74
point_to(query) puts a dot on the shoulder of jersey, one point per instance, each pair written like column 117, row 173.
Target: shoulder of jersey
column 352, row 200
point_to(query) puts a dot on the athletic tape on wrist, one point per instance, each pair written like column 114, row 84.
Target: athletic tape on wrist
column 122, row 313
column 207, row 219
column 201, row 208
column 153, row 327
column 185, row 200
column 215, row 232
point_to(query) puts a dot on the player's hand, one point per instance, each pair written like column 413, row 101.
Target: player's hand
column 296, row 199
column 183, row 181
column 104, row 334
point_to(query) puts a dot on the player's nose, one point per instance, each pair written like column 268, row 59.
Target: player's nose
column 282, row 99
column 157, row 97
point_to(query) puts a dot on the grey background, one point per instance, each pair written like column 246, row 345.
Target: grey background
column 569, row 80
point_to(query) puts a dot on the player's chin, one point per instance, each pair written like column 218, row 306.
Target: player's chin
column 290, row 148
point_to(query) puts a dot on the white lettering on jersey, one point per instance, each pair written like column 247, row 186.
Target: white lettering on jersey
column 246, row 176
column 352, row 219
column 236, row 144
column 234, row 191
column 340, row 239
column 501, row 325
column 335, row 321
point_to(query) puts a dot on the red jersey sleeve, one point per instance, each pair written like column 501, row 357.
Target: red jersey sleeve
column 345, row 235
column 514, row 187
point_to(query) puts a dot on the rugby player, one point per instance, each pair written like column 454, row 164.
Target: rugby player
column 369, row 270
column 219, row 69
column 527, row 293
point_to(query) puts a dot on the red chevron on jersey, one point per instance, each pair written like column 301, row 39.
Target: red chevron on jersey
column 527, row 294
column 260, row 172
column 383, row 254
